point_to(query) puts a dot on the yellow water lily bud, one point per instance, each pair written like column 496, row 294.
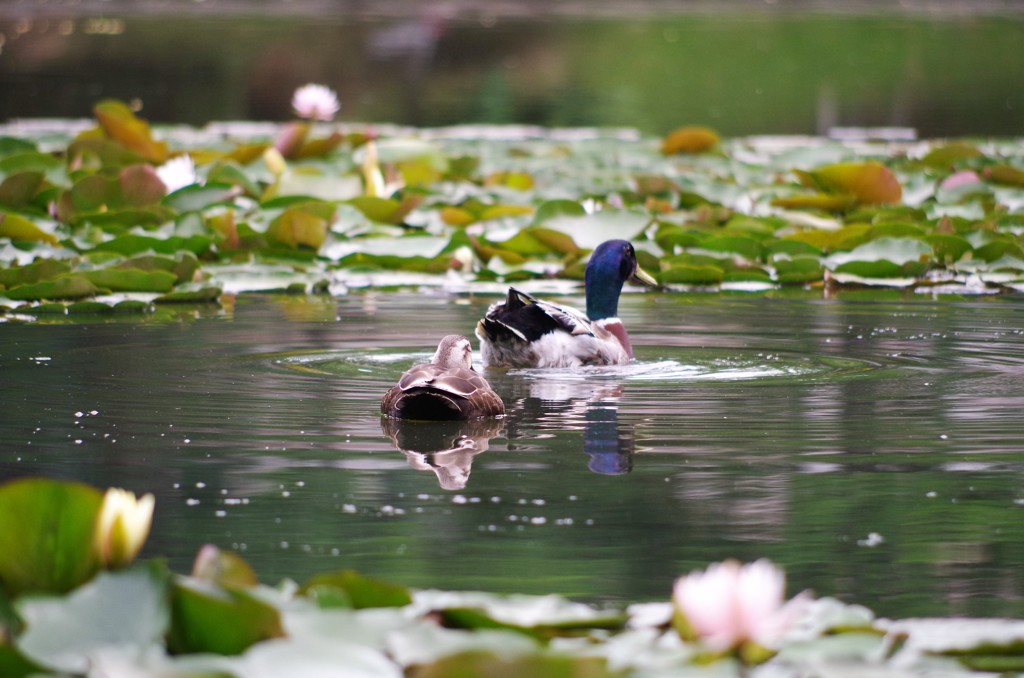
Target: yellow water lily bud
column 372, row 176
column 275, row 161
column 122, row 526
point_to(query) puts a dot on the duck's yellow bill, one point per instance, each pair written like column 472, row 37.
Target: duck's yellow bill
column 642, row 277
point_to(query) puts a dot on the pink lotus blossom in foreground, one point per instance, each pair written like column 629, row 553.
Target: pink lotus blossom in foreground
column 729, row 604
column 315, row 102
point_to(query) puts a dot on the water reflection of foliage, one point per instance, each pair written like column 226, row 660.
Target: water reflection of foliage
column 445, row 447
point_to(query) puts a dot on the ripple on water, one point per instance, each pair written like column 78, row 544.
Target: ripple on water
column 671, row 365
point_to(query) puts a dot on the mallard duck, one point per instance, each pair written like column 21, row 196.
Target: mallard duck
column 446, row 388
column 527, row 332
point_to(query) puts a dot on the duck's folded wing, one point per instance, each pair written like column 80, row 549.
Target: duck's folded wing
column 567, row 317
column 419, row 376
column 529, row 318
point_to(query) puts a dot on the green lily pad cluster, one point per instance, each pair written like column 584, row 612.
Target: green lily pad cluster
column 62, row 613
column 93, row 218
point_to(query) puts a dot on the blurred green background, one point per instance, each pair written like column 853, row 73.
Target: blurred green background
column 741, row 67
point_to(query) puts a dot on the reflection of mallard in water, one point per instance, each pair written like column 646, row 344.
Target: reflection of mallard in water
column 445, row 447
column 527, row 332
column 567, row 404
column 446, row 388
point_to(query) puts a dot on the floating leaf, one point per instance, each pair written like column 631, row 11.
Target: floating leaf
column 793, row 248
column 223, row 568
column 116, row 610
column 477, row 663
column 883, row 258
column 690, row 139
column 557, row 208
column 745, row 247
column 846, row 237
column 18, row 228
column 140, row 186
column 131, row 280
column 320, row 146
column 520, row 181
column 65, row 513
column 43, row 269
column 132, row 244
column 456, row 216
column 870, row 182
column 196, row 197
column 296, row 227
column 798, row 270
column 65, row 287
column 362, row 591
column 691, row 270
column 89, row 308
column 208, row 618
column 1005, row 174
column 17, row 190
column 377, row 209
column 948, row 248
column 818, row 201
column 86, row 150
column 120, row 124
column 201, row 295
column 949, row 155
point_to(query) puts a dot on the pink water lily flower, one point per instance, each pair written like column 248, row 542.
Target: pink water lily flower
column 315, row 102
column 729, row 604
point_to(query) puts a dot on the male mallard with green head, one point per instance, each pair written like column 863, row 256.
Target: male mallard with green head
column 446, row 388
column 527, row 332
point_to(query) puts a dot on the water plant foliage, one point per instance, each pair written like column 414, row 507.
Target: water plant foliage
column 66, row 611
column 98, row 215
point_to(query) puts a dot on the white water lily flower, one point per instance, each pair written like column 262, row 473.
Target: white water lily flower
column 178, row 172
column 122, row 526
column 729, row 604
column 315, row 102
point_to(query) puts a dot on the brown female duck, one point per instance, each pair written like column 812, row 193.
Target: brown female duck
column 446, row 388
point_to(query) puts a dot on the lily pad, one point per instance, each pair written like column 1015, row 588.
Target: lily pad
column 65, row 287
column 871, row 183
column 126, row 608
column 359, row 590
column 66, row 513
column 132, row 280
column 208, row 618
column 121, row 124
column 17, row 227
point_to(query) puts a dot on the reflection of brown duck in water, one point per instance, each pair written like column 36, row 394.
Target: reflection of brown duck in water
column 445, row 447
column 446, row 388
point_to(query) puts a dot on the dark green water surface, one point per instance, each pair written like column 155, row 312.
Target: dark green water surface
column 873, row 447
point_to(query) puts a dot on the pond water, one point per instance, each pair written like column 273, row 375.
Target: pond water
column 942, row 68
column 869, row 444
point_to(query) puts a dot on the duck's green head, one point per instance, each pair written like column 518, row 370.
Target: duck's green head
column 610, row 266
